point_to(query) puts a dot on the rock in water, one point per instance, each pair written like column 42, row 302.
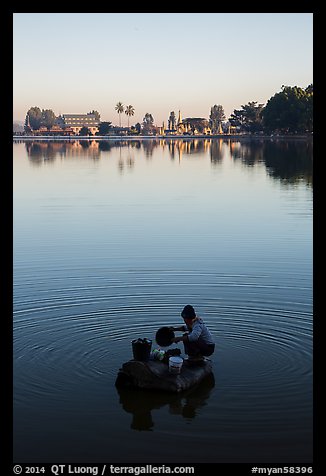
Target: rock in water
column 155, row 375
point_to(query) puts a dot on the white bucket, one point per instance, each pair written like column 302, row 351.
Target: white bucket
column 175, row 364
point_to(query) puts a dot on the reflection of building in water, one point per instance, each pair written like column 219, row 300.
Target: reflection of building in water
column 85, row 148
column 177, row 148
column 140, row 403
column 39, row 150
column 92, row 148
column 288, row 161
column 235, row 149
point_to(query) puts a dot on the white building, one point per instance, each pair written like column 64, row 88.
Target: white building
column 78, row 121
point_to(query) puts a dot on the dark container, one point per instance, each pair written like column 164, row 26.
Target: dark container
column 164, row 336
column 141, row 349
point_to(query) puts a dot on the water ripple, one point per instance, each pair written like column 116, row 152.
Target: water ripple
column 75, row 333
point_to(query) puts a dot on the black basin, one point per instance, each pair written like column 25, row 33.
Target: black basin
column 164, row 336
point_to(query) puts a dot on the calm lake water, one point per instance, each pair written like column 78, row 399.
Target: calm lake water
column 111, row 240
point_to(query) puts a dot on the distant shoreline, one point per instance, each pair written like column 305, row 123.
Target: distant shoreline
column 167, row 137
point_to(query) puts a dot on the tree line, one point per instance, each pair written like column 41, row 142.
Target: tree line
column 288, row 111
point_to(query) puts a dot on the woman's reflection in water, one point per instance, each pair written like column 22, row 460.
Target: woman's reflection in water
column 140, row 403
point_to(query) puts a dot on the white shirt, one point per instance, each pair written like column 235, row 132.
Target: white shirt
column 199, row 332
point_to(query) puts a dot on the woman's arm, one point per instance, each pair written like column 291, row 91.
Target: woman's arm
column 180, row 339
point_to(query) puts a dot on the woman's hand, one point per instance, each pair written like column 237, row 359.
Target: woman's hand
column 177, row 339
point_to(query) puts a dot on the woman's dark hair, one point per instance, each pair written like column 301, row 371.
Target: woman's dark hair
column 188, row 312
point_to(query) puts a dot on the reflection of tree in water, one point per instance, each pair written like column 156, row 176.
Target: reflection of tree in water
column 140, row 403
column 290, row 161
column 149, row 146
column 287, row 160
column 35, row 152
column 196, row 146
column 130, row 159
column 249, row 152
column 40, row 152
column 126, row 158
column 135, row 144
column 216, row 151
column 178, row 147
column 104, row 146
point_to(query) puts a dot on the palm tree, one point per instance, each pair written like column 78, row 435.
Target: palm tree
column 119, row 108
column 130, row 111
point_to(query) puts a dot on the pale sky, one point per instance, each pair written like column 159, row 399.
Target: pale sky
column 157, row 62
